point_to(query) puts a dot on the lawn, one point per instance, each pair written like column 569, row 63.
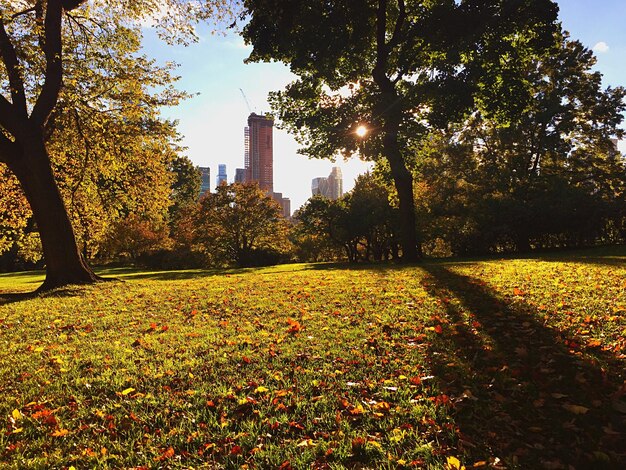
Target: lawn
column 487, row 363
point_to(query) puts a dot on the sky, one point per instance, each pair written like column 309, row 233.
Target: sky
column 212, row 122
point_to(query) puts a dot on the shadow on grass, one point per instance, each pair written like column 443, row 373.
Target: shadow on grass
column 69, row 291
column 531, row 397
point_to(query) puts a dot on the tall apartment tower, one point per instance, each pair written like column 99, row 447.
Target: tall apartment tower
column 259, row 153
column 221, row 174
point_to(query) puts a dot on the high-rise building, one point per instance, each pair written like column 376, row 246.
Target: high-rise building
column 240, row 175
column 221, row 174
column 284, row 202
column 335, row 183
column 319, row 186
column 205, row 185
column 259, row 159
column 330, row 187
column 259, row 153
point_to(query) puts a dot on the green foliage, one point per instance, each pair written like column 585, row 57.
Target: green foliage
column 363, row 223
column 186, row 185
column 323, row 224
column 373, row 217
column 320, row 366
column 110, row 149
column 72, row 77
column 400, row 68
column 552, row 177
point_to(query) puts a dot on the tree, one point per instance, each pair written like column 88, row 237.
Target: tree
column 400, row 68
column 32, row 35
column 240, row 224
column 328, row 223
column 549, row 177
column 373, row 217
column 186, row 185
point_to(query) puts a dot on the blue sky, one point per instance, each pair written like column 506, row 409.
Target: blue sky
column 212, row 123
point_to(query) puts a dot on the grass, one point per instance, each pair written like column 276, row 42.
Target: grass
column 489, row 363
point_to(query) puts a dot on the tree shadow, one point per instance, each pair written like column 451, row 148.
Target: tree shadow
column 10, row 298
column 522, row 391
column 69, row 291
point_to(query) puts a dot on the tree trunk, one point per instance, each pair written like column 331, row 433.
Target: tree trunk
column 403, row 181
column 64, row 263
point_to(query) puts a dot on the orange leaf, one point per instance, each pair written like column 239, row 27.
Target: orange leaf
column 576, row 409
column 519, row 292
column 60, row 433
column 167, row 454
column 294, row 327
column 382, row 407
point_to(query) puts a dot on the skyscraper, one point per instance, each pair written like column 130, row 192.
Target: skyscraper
column 221, row 174
column 330, row 187
column 205, row 186
column 335, row 183
column 319, row 186
column 259, row 158
column 259, row 153
column 240, row 175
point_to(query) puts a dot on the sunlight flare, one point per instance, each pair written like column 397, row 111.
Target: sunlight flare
column 361, row 131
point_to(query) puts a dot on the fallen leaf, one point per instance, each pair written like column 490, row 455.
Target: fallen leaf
column 576, row 409
column 453, row 463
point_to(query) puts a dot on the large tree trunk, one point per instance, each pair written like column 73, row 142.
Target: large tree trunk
column 64, row 263
column 389, row 112
column 403, row 181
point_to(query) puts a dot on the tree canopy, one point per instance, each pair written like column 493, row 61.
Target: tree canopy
column 49, row 48
column 550, row 177
column 237, row 224
column 399, row 68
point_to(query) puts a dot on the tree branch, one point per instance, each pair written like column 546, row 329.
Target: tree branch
column 21, row 13
column 397, row 31
column 381, row 33
column 54, row 64
column 12, row 65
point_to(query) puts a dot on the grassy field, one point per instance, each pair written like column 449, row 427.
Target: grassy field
column 492, row 364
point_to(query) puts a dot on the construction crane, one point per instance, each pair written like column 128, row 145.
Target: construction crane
column 246, row 100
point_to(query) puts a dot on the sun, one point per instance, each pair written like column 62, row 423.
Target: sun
column 361, row 131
